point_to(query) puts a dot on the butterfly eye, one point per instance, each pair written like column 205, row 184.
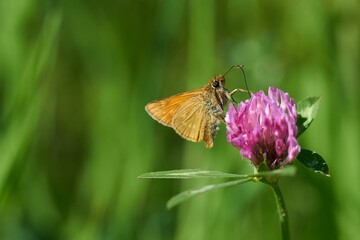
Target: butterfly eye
column 215, row 84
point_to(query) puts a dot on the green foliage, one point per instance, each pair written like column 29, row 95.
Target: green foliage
column 75, row 77
column 190, row 173
column 313, row 161
column 183, row 196
column 26, row 97
column 307, row 110
column 197, row 173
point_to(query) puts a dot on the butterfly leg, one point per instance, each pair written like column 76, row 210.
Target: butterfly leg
column 238, row 90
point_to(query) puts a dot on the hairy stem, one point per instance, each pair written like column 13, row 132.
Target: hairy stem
column 283, row 214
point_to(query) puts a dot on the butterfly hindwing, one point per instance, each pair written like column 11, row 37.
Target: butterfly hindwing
column 190, row 119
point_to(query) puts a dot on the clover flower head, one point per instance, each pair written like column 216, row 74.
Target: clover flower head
column 264, row 128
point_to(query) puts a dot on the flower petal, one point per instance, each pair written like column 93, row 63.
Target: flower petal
column 264, row 128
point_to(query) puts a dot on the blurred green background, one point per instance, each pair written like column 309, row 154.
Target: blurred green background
column 75, row 77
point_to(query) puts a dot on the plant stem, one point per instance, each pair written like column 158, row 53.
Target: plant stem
column 283, row 214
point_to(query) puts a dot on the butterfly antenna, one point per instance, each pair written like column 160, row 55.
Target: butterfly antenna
column 241, row 66
column 230, row 69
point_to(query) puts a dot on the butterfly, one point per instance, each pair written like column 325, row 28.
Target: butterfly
column 195, row 115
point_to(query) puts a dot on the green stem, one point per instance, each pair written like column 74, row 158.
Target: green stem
column 283, row 214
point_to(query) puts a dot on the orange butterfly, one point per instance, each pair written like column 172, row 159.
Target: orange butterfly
column 195, row 115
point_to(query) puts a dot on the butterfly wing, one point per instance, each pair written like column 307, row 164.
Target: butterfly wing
column 191, row 118
column 163, row 110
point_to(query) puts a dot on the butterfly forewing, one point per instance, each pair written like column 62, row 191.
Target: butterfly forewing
column 190, row 119
column 163, row 110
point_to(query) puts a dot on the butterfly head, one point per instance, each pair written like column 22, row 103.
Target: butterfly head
column 218, row 82
column 219, row 92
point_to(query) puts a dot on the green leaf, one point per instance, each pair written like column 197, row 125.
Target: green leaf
column 190, row 173
column 313, row 161
column 198, row 173
column 183, row 196
column 306, row 109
